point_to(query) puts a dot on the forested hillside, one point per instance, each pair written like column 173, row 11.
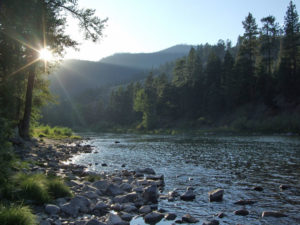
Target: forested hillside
column 75, row 76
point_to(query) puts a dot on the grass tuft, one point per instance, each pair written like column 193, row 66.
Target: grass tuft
column 16, row 215
column 57, row 189
column 37, row 187
column 34, row 187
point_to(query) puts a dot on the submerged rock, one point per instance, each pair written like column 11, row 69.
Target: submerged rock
column 258, row 188
column 174, row 194
column 221, row 215
column 189, row 219
column 146, row 171
column 284, row 186
column 216, row 195
column 273, row 214
column 213, row 222
column 170, row 216
column 245, row 202
column 241, row 212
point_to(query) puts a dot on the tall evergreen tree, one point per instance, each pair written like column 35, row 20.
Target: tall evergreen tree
column 269, row 42
column 228, row 80
column 290, row 58
column 246, row 58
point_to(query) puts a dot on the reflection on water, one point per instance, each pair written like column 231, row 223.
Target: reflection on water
column 235, row 164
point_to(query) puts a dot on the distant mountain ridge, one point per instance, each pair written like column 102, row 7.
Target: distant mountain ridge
column 148, row 60
column 75, row 76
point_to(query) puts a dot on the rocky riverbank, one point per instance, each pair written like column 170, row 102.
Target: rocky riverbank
column 99, row 198
column 113, row 198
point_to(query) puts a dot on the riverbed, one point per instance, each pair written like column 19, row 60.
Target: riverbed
column 233, row 163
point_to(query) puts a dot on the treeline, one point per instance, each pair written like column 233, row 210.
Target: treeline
column 258, row 78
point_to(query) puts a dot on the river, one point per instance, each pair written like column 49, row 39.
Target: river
column 233, row 163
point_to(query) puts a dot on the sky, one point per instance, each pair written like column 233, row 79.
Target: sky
column 153, row 25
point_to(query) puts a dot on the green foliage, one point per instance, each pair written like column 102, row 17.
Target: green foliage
column 279, row 124
column 16, row 215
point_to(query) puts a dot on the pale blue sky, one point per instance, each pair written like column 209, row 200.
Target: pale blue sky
column 153, row 25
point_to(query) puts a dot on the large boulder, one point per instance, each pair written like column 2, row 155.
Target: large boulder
column 114, row 219
column 153, row 217
column 126, row 216
column 145, row 209
column 82, row 202
column 114, row 190
column 150, row 194
column 130, row 197
column 101, row 185
column 100, row 209
column 216, row 195
column 126, row 187
column 91, row 195
column 129, row 207
column 94, row 222
column 70, row 209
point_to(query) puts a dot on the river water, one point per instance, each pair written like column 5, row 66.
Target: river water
column 233, row 163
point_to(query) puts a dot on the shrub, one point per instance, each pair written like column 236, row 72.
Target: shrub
column 55, row 132
column 16, row 215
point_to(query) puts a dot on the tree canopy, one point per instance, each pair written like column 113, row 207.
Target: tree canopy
column 26, row 27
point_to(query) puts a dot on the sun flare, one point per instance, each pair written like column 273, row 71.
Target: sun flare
column 46, row 54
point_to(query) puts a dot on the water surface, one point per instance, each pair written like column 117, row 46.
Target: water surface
column 235, row 164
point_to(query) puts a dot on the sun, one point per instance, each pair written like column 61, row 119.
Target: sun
column 46, row 54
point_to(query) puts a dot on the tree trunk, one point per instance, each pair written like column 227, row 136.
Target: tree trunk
column 25, row 122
